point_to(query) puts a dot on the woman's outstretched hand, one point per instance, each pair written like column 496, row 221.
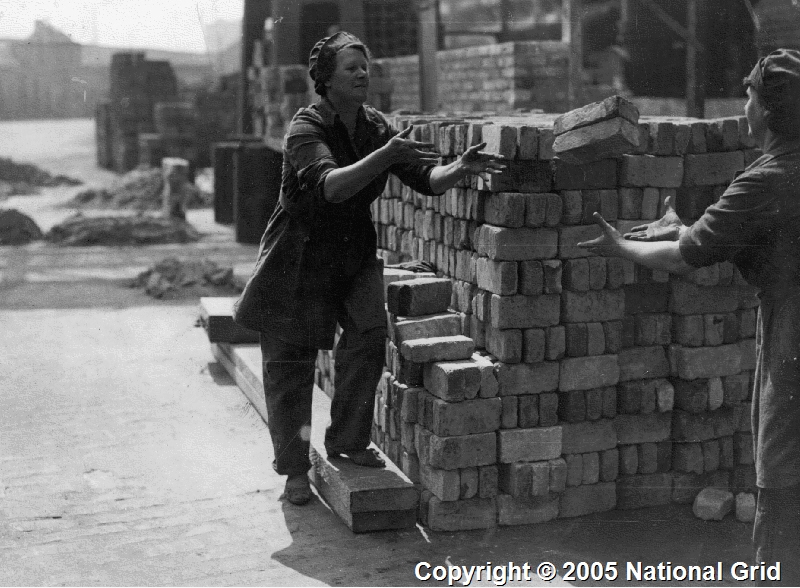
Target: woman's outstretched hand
column 609, row 243
column 401, row 149
column 475, row 162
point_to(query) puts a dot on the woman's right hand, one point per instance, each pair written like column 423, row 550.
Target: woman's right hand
column 401, row 149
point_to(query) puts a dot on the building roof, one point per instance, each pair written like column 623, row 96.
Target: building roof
column 98, row 55
column 44, row 33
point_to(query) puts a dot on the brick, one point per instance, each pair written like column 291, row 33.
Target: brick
column 687, row 298
column 574, row 463
column 585, row 373
column 444, row 484
column 689, row 330
column 630, row 203
column 464, row 418
column 533, row 345
column 596, row 343
column 556, row 343
column 418, row 297
column 714, row 329
column 653, row 329
column 531, row 278
column 743, row 448
column 651, row 199
column 638, row 396
column 569, row 237
column 487, row 481
column 453, row 380
column 524, row 311
column 520, row 176
column 592, row 306
column 572, row 207
column 527, row 142
column 597, row 272
column 584, row 500
column 643, row 490
column 706, row 362
column 528, row 415
column 469, row 483
column 436, row 325
column 711, row 455
column 747, row 352
column 438, row 349
column 572, row 406
column 727, row 459
column 535, row 210
column 551, row 270
column 536, row 444
column 647, row 298
column 517, row 244
column 648, row 170
column 526, row 511
column 505, row 209
column 643, row 428
column 463, row 451
column 609, row 402
column 609, row 465
column 609, row 108
column 546, row 139
column 596, row 175
column 638, row 363
column 461, row 515
column 612, row 332
column 553, row 210
column 628, row 460
column 499, row 277
column 697, row 137
column 504, row 344
column 723, row 134
column 516, row 379
column 408, row 408
column 648, row 458
column 602, row 140
column 745, row 507
column 509, row 416
column 591, row 468
column 735, row 389
column 687, row 426
column 712, row 504
column 662, row 138
column 576, row 275
column 516, row 478
column 500, row 140
column 691, row 395
column 489, row 385
column 558, row 475
column 716, row 393
column 577, row 339
column 743, row 479
column 548, row 409
column 588, row 436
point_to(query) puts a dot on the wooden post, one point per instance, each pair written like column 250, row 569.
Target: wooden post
column 427, row 46
column 695, row 72
column 572, row 33
column 255, row 15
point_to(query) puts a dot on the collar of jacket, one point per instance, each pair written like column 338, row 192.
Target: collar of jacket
column 329, row 114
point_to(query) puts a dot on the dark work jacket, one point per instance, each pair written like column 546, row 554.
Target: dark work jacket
column 312, row 249
column 756, row 224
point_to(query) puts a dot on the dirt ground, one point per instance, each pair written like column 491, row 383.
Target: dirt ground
column 129, row 457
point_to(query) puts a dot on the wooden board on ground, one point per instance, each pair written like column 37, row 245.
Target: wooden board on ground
column 366, row 499
column 216, row 317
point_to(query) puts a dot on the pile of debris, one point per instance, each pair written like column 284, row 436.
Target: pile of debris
column 17, row 228
column 139, row 189
column 25, row 178
column 121, row 230
column 173, row 278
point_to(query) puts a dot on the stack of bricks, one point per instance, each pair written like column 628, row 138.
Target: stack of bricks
column 640, row 379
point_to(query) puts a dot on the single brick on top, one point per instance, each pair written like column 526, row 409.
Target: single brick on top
column 419, row 297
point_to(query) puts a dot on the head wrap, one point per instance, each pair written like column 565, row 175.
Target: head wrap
column 776, row 80
column 322, row 60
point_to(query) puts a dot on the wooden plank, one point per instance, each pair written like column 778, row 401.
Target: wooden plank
column 216, row 317
column 366, row 499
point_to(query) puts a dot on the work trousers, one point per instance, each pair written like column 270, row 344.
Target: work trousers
column 776, row 533
column 289, row 379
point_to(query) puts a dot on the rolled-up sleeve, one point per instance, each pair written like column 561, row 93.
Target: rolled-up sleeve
column 309, row 154
column 741, row 217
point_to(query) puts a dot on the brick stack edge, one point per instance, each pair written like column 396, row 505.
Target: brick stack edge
column 556, row 383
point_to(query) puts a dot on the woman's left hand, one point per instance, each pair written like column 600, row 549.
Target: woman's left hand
column 608, row 243
column 474, row 162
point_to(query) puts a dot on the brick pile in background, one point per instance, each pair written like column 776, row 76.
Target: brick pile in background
column 611, row 386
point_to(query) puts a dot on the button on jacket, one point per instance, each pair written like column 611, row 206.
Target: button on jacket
column 312, row 249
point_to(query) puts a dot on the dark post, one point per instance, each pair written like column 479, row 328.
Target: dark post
column 428, row 36
column 695, row 60
column 255, row 14
column 572, row 33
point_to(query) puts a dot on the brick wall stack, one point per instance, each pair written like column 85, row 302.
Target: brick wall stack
column 614, row 386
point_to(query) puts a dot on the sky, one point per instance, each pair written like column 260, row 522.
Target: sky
column 174, row 25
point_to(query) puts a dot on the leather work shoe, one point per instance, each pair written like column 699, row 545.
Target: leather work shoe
column 367, row 458
column 298, row 490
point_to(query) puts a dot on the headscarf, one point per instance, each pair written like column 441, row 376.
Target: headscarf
column 776, row 80
column 322, row 60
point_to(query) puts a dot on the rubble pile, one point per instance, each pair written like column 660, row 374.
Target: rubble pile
column 17, row 228
column 121, row 230
column 139, row 189
column 25, row 178
column 172, row 277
